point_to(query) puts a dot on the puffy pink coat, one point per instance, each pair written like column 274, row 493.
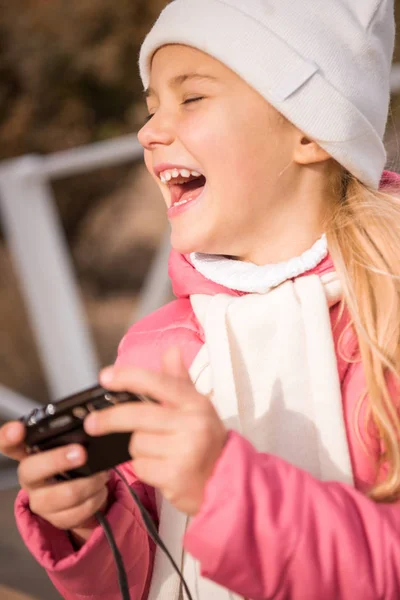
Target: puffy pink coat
column 266, row 529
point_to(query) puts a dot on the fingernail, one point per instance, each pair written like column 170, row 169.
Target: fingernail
column 73, row 455
column 107, row 375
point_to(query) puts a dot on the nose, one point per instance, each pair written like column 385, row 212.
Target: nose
column 159, row 131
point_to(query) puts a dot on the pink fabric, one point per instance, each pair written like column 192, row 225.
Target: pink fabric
column 266, row 529
column 269, row 530
column 91, row 572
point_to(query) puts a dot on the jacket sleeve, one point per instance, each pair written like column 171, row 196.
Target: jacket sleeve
column 91, row 572
column 303, row 539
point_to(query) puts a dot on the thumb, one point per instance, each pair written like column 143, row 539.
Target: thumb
column 12, row 440
column 172, row 363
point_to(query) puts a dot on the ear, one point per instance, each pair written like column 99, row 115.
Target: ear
column 307, row 152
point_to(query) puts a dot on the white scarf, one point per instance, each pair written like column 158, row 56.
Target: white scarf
column 269, row 362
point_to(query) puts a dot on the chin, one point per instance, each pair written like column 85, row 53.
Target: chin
column 189, row 241
column 184, row 247
column 214, row 238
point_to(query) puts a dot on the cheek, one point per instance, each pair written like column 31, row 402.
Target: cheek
column 214, row 144
column 227, row 145
column 196, row 135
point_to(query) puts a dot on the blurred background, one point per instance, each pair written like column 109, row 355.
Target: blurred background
column 68, row 79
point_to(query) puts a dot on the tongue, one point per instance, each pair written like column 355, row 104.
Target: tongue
column 189, row 190
column 192, row 188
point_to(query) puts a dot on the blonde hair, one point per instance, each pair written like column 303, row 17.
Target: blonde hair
column 363, row 234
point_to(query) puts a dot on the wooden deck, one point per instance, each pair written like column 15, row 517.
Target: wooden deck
column 7, row 593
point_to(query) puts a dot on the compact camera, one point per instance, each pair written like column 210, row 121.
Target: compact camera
column 61, row 423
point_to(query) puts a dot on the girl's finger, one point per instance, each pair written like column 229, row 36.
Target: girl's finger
column 58, row 497
column 152, row 471
column 172, row 363
column 167, row 389
column 74, row 517
column 132, row 417
column 12, row 437
column 39, row 468
column 144, row 444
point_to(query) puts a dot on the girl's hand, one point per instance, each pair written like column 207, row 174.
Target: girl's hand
column 67, row 505
column 174, row 445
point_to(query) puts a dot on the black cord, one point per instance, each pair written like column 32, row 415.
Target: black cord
column 152, row 531
column 122, row 578
column 119, row 563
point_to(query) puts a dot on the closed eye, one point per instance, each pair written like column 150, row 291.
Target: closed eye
column 188, row 101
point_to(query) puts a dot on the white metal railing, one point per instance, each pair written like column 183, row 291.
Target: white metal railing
column 395, row 79
column 43, row 265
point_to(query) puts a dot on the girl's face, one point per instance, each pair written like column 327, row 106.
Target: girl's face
column 207, row 120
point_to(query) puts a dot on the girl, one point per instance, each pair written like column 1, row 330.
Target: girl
column 275, row 450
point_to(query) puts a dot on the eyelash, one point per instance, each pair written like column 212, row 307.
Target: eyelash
column 188, row 101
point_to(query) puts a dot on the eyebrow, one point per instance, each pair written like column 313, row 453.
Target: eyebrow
column 178, row 80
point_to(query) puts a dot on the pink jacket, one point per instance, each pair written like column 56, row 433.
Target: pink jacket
column 266, row 529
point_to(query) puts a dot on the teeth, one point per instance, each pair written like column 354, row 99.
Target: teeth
column 166, row 176
column 183, row 202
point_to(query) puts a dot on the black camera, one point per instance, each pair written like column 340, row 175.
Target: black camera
column 61, row 423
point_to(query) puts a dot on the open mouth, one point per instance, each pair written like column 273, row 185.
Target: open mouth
column 184, row 190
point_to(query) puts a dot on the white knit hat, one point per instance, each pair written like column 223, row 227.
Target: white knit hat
column 324, row 64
